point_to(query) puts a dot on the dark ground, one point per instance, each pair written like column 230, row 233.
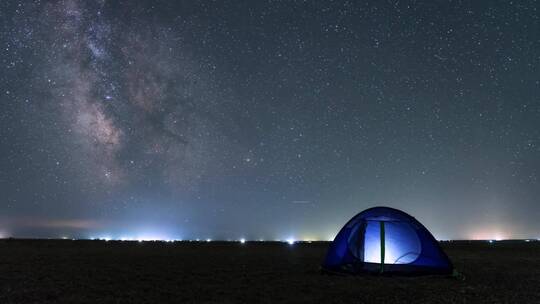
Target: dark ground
column 50, row 271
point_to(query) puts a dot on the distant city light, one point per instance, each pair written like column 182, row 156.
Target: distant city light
column 290, row 241
column 242, row 241
column 208, row 240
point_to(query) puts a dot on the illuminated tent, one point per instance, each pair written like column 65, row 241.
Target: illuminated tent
column 386, row 240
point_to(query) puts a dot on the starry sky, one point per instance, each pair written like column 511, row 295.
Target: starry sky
column 268, row 119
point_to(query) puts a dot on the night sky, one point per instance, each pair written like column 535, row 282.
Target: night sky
column 268, row 120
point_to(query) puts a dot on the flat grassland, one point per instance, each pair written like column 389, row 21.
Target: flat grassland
column 54, row 271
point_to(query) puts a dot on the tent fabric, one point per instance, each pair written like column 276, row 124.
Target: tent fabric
column 386, row 240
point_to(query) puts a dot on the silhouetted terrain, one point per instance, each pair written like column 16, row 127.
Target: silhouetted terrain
column 49, row 271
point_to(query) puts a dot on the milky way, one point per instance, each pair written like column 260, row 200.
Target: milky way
column 131, row 100
column 268, row 120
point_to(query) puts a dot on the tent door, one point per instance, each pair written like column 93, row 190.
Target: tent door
column 390, row 243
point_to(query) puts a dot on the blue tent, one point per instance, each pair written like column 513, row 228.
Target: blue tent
column 386, row 240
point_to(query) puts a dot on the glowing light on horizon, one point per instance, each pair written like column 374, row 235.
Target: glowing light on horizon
column 291, row 241
column 242, row 241
column 489, row 234
column 153, row 237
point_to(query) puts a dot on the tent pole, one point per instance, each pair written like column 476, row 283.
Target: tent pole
column 382, row 245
